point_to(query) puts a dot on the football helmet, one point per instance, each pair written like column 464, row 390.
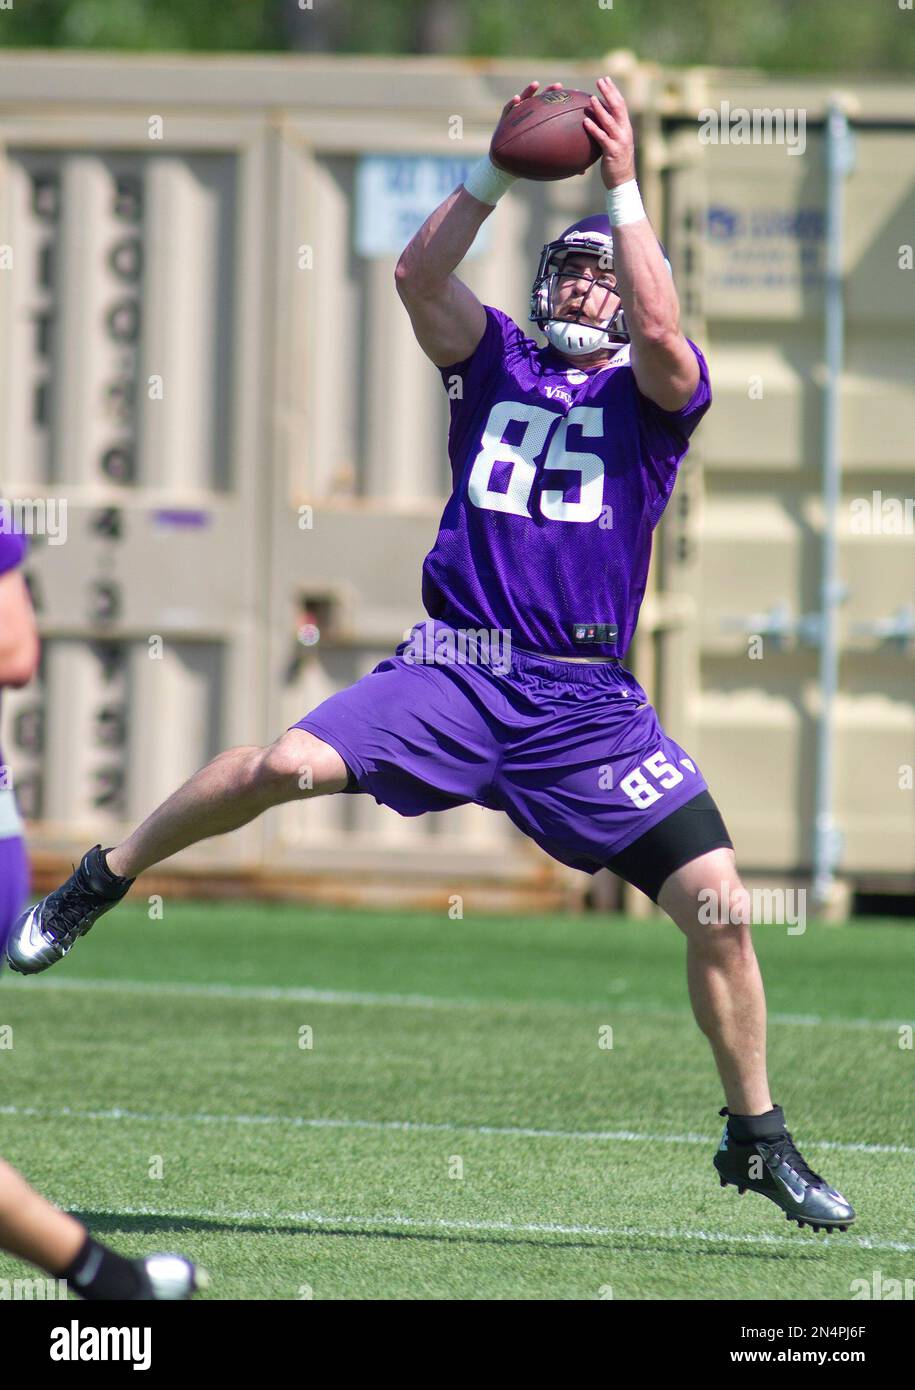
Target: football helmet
column 594, row 237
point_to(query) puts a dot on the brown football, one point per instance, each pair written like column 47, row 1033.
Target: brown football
column 544, row 137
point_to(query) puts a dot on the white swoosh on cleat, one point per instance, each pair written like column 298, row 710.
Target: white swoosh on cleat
column 788, row 1188
column 30, row 933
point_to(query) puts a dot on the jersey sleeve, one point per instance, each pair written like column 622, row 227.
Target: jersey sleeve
column 13, row 548
column 467, row 383
column 665, row 436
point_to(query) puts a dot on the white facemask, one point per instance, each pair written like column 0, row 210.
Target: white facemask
column 577, row 339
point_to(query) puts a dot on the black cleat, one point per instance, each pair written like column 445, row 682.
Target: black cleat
column 45, row 933
column 771, row 1165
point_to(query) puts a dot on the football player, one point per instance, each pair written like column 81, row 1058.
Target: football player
column 35, row 1230
column 563, row 459
column 30, row 1226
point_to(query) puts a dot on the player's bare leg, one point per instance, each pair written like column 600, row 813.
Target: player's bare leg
column 233, row 789
column 32, row 1228
column 726, row 990
column 725, row 983
column 35, row 1230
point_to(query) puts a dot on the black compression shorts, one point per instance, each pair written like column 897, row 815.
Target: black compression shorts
column 686, row 833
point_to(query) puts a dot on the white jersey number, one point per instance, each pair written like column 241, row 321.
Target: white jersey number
column 638, row 788
column 537, row 423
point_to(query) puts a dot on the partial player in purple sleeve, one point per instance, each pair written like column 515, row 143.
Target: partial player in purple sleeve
column 512, row 694
column 31, row 1226
column 18, row 662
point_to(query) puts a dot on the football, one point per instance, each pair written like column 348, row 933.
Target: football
column 544, row 137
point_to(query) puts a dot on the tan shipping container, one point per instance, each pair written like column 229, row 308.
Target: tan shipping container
column 204, row 354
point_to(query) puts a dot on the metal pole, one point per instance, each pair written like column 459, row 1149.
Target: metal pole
column 827, row 836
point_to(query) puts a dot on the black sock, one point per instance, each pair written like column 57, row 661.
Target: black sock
column 744, row 1129
column 108, row 884
column 100, row 1273
column 116, row 879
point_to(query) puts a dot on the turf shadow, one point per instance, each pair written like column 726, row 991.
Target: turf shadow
column 107, row 1223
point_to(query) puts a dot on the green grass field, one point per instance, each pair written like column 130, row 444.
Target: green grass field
column 442, row 1048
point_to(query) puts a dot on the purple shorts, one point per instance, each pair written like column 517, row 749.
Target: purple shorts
column 573, row 754
column 14, row 884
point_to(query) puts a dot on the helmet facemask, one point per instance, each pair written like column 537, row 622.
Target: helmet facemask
column 574, row 335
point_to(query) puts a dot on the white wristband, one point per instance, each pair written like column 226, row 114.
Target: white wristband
column 624, row 204
column 487, row 183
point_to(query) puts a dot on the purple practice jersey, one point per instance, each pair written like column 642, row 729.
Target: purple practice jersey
column 12, row 553
column 12, row 550
column 560, row 475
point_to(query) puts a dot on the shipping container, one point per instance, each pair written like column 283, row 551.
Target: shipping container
column 205, row 364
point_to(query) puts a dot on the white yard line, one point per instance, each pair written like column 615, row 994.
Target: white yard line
column 316, row 1218
column 600, row 1136
column 280, row 994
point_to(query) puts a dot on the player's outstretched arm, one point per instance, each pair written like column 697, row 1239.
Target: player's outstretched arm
column 664, row 364
column 447, row 317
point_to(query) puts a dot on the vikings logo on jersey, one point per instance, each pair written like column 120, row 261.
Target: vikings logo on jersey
column 560, row 475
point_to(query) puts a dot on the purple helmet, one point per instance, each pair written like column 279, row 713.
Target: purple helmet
column 594, row 236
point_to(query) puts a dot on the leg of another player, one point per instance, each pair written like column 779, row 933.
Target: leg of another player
column 33, row 1229
column 725, row 984
column 233, row 789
